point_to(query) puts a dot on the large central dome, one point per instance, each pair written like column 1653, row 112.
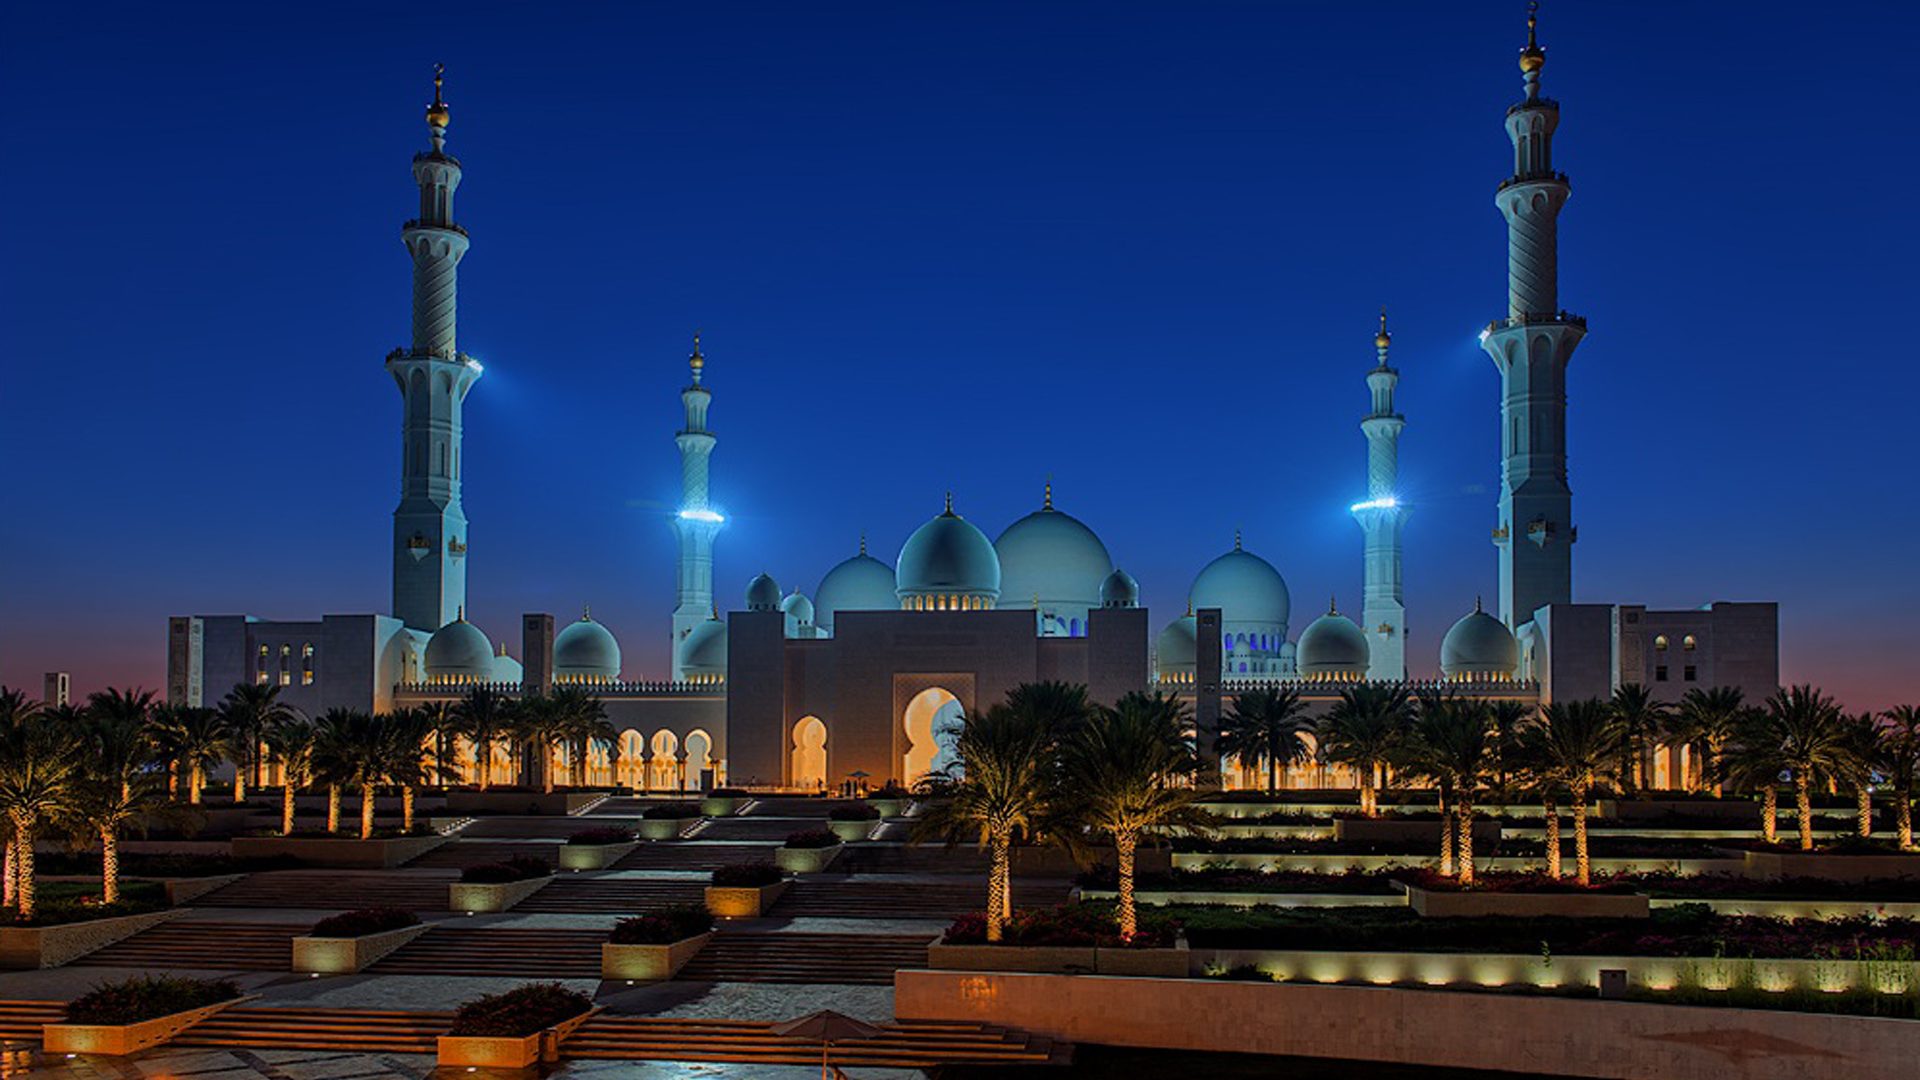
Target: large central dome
column 948, row 564
column 862, row 583
column 1050, row 556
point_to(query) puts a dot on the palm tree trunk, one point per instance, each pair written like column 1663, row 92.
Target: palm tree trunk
column 12, row 878
column 1273, row 772
column 1123, row 849
column 366, row 811
column 286, row 809
column 23, row 866
column 1803, row 804
column 546, row 766
column 1553, row 837
column 1770, row 814
column 1369, row 800
column 1903, row 820
column 1866, row 811
column 195, row 780
column 406, row 808
column 999, row 882
column 1582, row 863
column 1713, row 759
column 109, row 866
column 1463, row 827
column 483, row 762
column 333, row 808
column 239, row 781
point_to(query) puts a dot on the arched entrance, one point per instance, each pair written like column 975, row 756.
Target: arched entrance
column 665, row 774
column 810, row 753
column 932, row 722
column 633, row 746
column 699, row 760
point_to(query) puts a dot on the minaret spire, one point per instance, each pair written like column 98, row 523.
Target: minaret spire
column 1382, row 516
column 697, row 522
column 429, row 527
column 1531, row 347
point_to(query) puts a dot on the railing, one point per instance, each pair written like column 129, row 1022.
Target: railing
column 1310, row 687
column 457, row 687
column 1540, row 102
column 1538, row 318
column 416, row 223
column 1533, row 178
column 451, row 356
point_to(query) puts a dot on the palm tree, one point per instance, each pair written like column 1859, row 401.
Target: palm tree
column 1865, row 729
column 1707, row 721
column 249, row 711
column 292, row 742
column 1814, row 742
column 404, row 752
column 1452, row 742
column 194, row 739
column 1060, row 706
column 1507, row 718
column 443, row 724
column 1362, row 731
column 584, row 725
column 1754, row 761
column 485, row 717
column 538, row 726
column 1641, row 720
column 352, row 754
column 1130, row 769
column 1899, row 761
column 1577, row 744
column 1005, row 761
column 1267, row 724
column 38, row 774
column 117, row 781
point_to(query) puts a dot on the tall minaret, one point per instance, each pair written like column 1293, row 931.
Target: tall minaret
column 1381, row 516
column 1532, row 347
column 697, row 522
column 429, row 529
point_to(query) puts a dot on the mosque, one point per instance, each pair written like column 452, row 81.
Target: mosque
column 862, row 680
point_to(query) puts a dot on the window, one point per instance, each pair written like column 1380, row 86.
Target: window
column 1688, row 673
column 260, row 671
column 306, row 664
column 1688, row 643
column 1660, row 643
column 1660, row 673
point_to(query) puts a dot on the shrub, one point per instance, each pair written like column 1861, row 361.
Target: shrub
column 363, row 922
column 856, row 812
column 673, row 811
column 751, row 875
column 525, row 1010
column 147, row 997
column 1534, row 881
column 1067, row 925
column 812, row 838
column 1242, row 973
column 675, row 922
column 728, row 793
column 890, row 790
column 64, row 902
column 1235, row 879
column 518, row 868
column 605, row 834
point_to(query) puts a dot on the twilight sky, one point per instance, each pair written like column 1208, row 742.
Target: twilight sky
column 1136, row 246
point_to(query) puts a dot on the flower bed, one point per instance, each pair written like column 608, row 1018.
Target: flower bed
column 134, row 1014
column 807, row 852
column 365, row 921
column 601, row 836
column 491, row 887
column 596, row 849
column 745, row 890
column 40, row 944
column 852, row 823
column 657, row 945
column 62, row 903
column 1071, row 938
column 1520, row 896
column 511, row 1030
column 349, row 942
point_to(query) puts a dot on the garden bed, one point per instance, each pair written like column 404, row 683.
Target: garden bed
column 118, row 1019
column 808, row 852
column 494, row 887
column 1409, row 830
column 1078, row 939
column 1833, row 866
column 514, row 1030
column 596, row 849
column 47, row 945
column 656, row 946
column 723, row 802
column 351, row 941
column 1521, row 896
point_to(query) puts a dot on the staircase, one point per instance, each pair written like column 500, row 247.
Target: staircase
column 692, row 855
column 22, row 1019
column 576, row 894
column 852, row 959
column 632, row 806
column 333, row 890
column 464, row 853
column 877, row 898
column 912, row 1045
column 905, row 859
column 796, row 806
column 203, row 945
column 530, row 954
column 541, row 828
column 776, row 829
column 365, row 1031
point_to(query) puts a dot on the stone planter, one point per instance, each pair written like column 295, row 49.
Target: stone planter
column 480, row 898
column 743, row 901
column 344, row 956
column 649, row 962
column 806, row 860
column 1388, row 831
column 1061, row 959
column 181, row 890
column 504, row 1051
column 889, row 808
column 852, row 831
column 1778, row 864
column 1444, row 904
column 533, row 803
column 120, row 1040
column 338, row 852
column 28, row 947
column 593, row 856
column 1172, row 963
column 721, row 805
column 663, row 828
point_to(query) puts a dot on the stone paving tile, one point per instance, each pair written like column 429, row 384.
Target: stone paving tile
column 749, row 1001
column 296, row 1065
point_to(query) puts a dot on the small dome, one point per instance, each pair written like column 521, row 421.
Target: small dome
column 586, row 652
column 1332, row 647
column 763, row 594
column 506, row 669
column 703, row 655
column 862, row 583
column 1177, row 649
column 1245, row 587
column 1479, row 647
column 458, row 651
column 949, row 557
column 798, row 607
column 1051, row 555
column 1119, row 590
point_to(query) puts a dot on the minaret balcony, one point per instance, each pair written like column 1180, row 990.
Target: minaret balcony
column 1542, row 102
column 1534, row 178
column 445, row 356
column 1557, row 318
column 416, row 223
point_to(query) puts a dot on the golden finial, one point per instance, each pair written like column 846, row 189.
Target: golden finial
column 1533, row 57
column 1189, row 607
column 1047, row 502
column 714, row 614
column 949, row 510
column 1382, row 339
column 437, row 115
column 695, row 360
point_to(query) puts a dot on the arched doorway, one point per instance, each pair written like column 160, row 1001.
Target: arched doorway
column 699, row 760
column 932, row 722
column 810, row 753
column 633, row 748
column 665, row 774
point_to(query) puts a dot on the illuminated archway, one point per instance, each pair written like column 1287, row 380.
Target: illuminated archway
column 699, row 757
column 633, row 746
column 664, row 770
column 810, row 753
column 932, row 722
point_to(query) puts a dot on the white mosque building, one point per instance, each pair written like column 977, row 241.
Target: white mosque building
column 797, row 691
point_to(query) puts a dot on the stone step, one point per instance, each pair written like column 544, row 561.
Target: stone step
column 544, row 954
column 362, row 1030
column 334, row 890
column 579, row 895
column 904, row 1046
column 22, row 1019
column 463, row 853
column 759, row 828
column 846, row 959
column 689, row 855
column 542, row 828
column 203, row 945
column 830, row 898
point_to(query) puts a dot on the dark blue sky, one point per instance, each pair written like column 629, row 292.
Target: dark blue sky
column 1138, row 246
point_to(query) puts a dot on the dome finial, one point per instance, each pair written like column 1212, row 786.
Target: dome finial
column 863, row 543
column 1476, row 604
column 949, row 510
column 586, row 612
column 1383, row 339
column 1533, row 57
column 1236, row 539
column 1333, row 607
column 1047, row 502
column 437, row 114
column 696, row 361
column 460, row 613
column 714, row 614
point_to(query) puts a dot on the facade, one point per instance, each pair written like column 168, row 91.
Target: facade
column 862, row 680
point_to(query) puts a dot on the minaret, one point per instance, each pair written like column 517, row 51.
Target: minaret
column 697, row 522
column 1381, row 516
column 1532, row 347
column 429, row 529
